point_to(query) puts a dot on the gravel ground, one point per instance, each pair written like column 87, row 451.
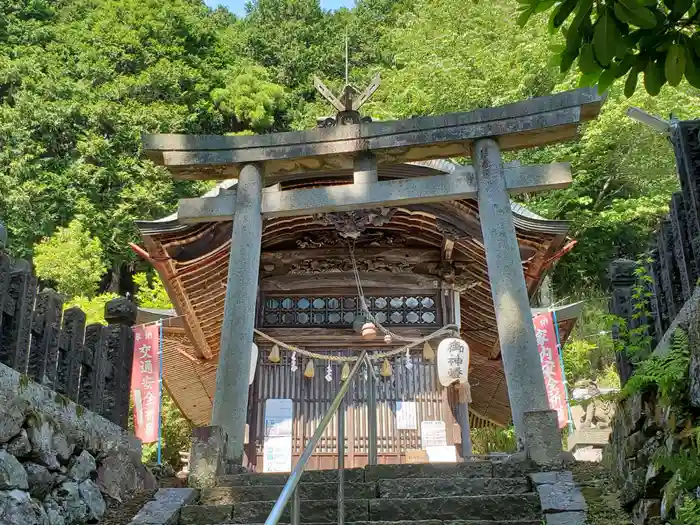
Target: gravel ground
column 122, row 513
column 601, row 495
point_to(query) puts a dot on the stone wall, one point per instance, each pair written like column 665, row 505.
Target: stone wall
column 646, row 428
column 60, row 464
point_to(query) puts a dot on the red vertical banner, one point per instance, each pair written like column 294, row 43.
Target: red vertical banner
column 551, row 365
column 145, row 382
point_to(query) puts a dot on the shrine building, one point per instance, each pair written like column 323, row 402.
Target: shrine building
column 421, row 266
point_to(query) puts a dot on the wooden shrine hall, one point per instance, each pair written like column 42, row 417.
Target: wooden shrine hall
column 414, row 262
column 372, row 218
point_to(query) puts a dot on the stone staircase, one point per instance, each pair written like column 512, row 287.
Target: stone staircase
column 470, row 493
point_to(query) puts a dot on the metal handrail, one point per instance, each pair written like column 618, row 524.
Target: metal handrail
column 290, row 487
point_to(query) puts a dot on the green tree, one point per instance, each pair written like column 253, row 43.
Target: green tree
column 150, row 291
column 80, row 80
column 72, row 260
column 616, row 39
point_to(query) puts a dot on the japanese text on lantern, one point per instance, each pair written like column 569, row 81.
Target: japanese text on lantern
column 145, row 382
column 455, row 360
column 551, row 366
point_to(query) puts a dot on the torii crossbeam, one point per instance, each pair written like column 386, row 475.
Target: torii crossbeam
column 263, row 160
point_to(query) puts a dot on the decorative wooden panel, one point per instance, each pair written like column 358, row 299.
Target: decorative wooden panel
column 339, row 311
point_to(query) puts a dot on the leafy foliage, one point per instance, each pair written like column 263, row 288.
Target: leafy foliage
column 94, row 307
column 71, row 259
column 493, row 439
column 176, row 432
column 689, row 512
column 613, row 39
column 667, row 374
column 150, row 291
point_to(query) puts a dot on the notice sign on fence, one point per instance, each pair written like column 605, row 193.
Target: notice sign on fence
column 433, row 434
column 406, row 418
column 145, row 382
column 551, row 365
column 277, row 452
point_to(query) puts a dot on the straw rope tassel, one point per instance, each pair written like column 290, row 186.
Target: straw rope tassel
column 465, row 392
column 386, row 369
column 428, row 352
column 274, row 356
column 309, row 371
column 345, row 373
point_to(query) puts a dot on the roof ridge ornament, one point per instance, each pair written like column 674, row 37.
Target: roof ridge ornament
column 347, row 103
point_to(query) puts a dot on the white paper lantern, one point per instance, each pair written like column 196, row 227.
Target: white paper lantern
column 253, row 363
column 453, row 361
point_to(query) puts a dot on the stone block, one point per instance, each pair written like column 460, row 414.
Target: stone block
column 550, row 478
column 20, row 447
column 120, row 311
column 634, row 443
column 542, row 438
column 12, row 474
column 469, row 469
column 635, row 405
column 516, row 506
column 354, row 475
column 11, row 420
column 516, row 465
column 41, row 481
column 307, row 491
column 17, row 508
column 655, row 480
column 427, row 488
column 205, row 514
column 165, row 508
column 207, row 456
column 646, row 510
column 317, row 511
column 632, row 486
column 561, row 497
column 694, row 371
column 95, row 503
column 82, row 466
column 566, row 518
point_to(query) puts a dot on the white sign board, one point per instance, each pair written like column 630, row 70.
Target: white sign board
column 433, row 434
column 278, row 417
column 277, row 454
column 406, row 418
column 446, row 454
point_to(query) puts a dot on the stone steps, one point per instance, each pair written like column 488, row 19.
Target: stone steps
column 422, row 522
column 354, row 475
column 307, row 491
column 386, row 488
column 427, row 487
column 469, row 493
column 490, row 508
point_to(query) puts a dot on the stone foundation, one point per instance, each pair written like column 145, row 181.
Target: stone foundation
column 59, row 463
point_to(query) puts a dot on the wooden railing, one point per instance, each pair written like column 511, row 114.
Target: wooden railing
column 91, row 366
column 674, row 255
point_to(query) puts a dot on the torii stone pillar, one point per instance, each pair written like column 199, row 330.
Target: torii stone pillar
column 516, row 333
column 231, row 397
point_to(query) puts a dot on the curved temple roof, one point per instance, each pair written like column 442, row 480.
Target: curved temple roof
column 192, row 260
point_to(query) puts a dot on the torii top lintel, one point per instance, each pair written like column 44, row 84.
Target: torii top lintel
column 525, row 124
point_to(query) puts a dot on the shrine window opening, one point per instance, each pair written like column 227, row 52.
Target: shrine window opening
column 340, row 311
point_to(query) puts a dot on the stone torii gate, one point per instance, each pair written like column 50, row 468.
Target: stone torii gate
column 354, row 143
